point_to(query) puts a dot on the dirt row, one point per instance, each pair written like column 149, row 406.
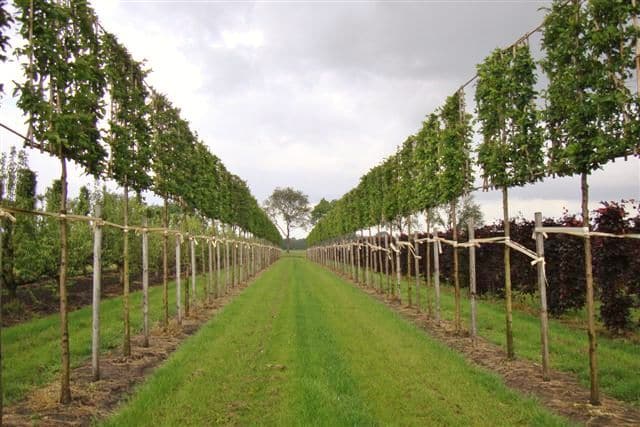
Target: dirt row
column 96, row 400
column 563, row 395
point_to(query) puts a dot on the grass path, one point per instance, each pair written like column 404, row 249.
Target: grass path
column 303, row 347
column 31, row 350
column 618, row 358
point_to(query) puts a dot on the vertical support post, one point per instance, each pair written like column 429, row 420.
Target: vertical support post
column 145, row 282
column 472, row 282
column 210, row 253
column 542, row 287
column 95, row 302
column 398, row 271
column 192, row 247
column 436, row 275
column 178, row 281
column 417, row 265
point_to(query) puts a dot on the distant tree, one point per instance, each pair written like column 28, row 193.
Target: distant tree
column 321, row 209
column 289, row 205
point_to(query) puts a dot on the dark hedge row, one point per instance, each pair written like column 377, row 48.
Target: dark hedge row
column 616, row 264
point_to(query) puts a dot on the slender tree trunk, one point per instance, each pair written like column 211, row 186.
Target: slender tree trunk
column 145, row 283
column 165, row 266
column 126, row 347
column 288, row 239
column 398, row 271
column 456, row 268
column 507, row 273
column 97, row 284
column 218, row 275
column 591, row 322
column 65, row 388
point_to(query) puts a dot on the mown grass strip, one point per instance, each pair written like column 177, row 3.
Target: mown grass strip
column 303, row 347
column 618, row 358
column 31, row 350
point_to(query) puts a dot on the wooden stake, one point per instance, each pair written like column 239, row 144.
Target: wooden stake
column 145, row 282
column 472, row 282
column 95, row 306
column 436, row 276
column 542, row 288
column 398, row 272
column 417, row 265
column 210, row 253
column 178, row 282
column 192, row 245
column 456, row 268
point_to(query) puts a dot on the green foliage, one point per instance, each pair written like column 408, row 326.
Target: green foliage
column 62, row 94
column 455, row 177
column 591, row 116
column 128, row 125
column 427, row 141
column 321, row 209
column 5, row 23
column 511, row 151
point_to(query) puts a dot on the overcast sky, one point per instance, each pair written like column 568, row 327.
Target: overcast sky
column 313, row 94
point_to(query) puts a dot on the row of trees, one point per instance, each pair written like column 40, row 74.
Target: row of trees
column 86, row 100
column 591, row 117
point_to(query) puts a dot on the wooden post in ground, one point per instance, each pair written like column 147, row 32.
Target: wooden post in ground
column 95, row 302
column 427, row 261
column 436, row 276
column 398, row 271
column 210, row 279
column 542, row 288
column 456, row 269
column 417, row 265
column 178, row 281
column 218, row 276
column 145, row 282
column 507, row 275
column 472, row 282
column 387, row 262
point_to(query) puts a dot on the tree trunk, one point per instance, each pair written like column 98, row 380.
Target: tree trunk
column 456, row 268
column 165, row 265
column 145, row 283
column 126, row 347
column 65, row 368
column 288, row 239
column 97, row 282
column 210, row 281
column 507, row 274
column 591, row 322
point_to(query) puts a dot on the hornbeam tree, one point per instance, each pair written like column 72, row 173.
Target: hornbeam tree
column 455, row 174
column 591, row 115
column 62, row 100
column 128, row 137
column 511, row 152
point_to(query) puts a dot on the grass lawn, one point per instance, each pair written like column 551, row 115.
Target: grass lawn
column 618, row 358
column 303, row 347
column 31, row 350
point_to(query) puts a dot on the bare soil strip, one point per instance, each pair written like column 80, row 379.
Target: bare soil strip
column 563, row 394
column 95, row 400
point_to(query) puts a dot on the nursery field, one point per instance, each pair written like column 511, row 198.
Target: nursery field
column 301, row 346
